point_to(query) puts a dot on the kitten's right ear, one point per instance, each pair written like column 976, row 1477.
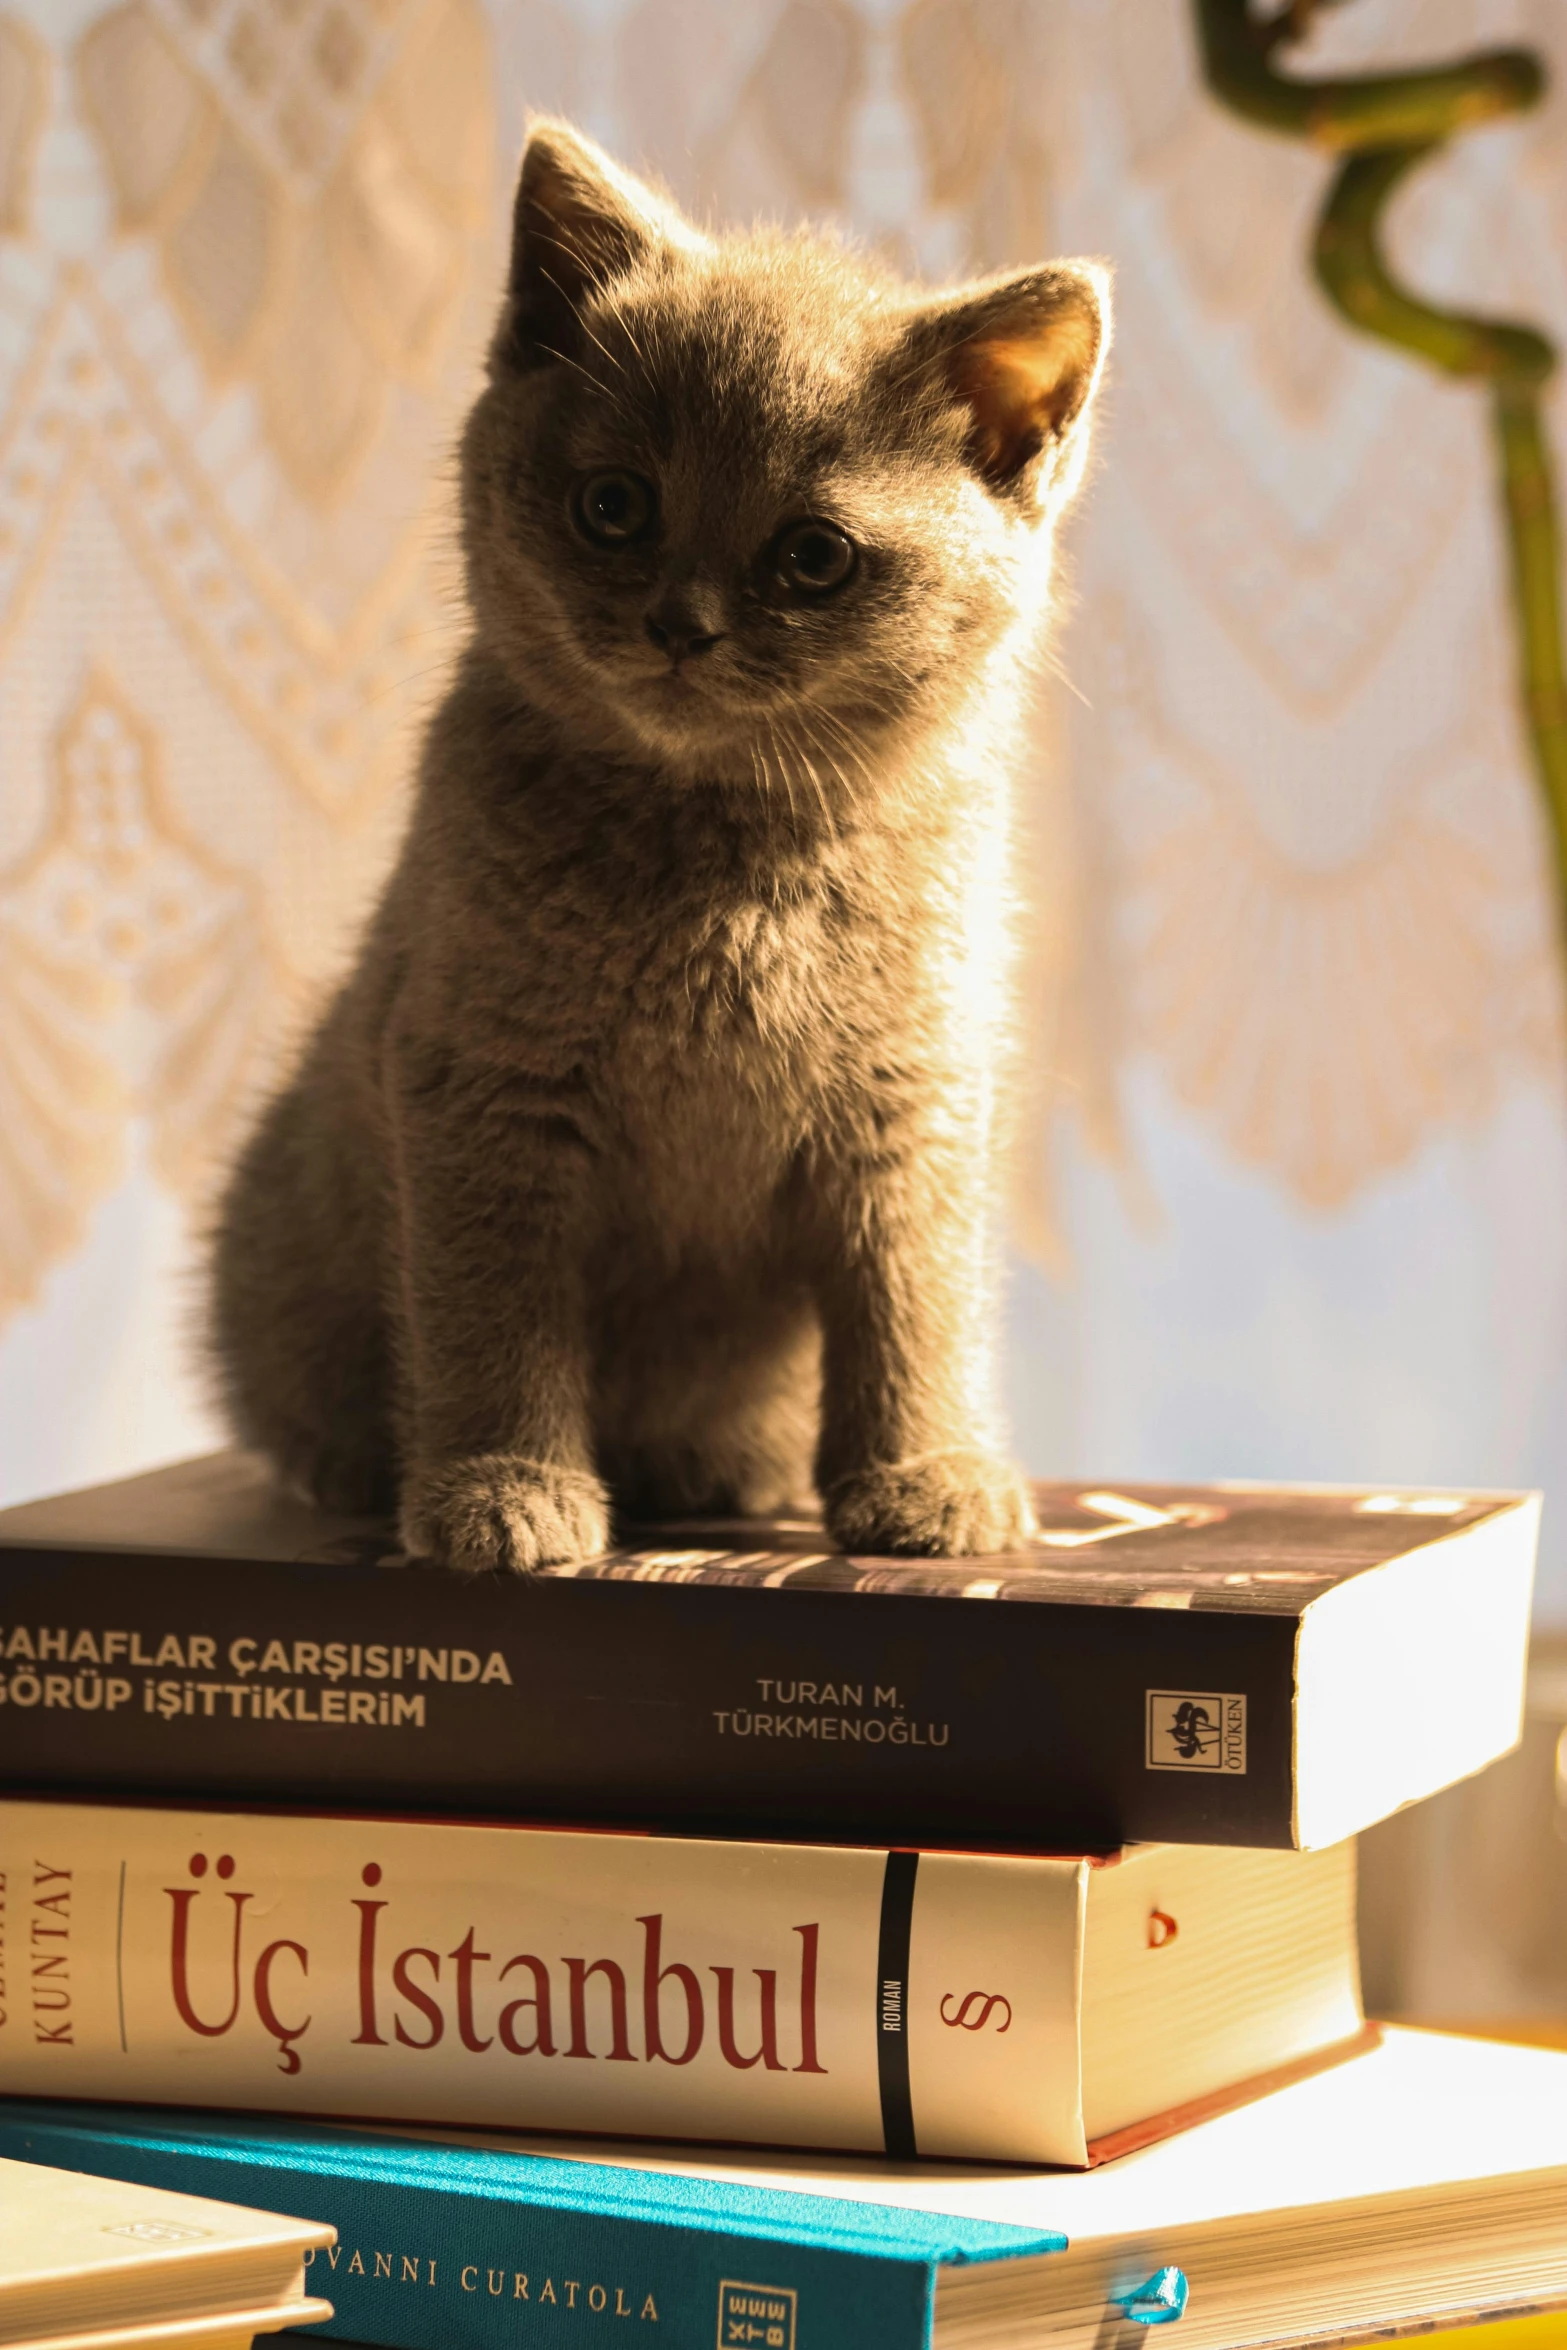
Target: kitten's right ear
column 1023, row 354
column 579, row 221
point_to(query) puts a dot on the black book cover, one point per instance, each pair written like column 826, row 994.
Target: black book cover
column 1139, row 1672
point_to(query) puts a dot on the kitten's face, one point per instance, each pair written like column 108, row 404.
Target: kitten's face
column 722, row 505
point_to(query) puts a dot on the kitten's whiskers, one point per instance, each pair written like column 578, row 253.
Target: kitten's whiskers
column 606, row 392
column 783, row 771
column 821, row 796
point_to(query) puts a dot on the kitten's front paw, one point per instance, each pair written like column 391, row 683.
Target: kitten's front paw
column 496, row 1511
column 939, row 1505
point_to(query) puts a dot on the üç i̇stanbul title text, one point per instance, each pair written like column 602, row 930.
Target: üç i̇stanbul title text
column 225, row 1963
column 273, row 1680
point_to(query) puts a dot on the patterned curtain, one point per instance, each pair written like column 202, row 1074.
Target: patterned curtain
column 1294, row 1199
column 246, row 249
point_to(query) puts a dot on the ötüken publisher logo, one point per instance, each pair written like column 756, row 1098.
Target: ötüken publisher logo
column 755, row 2317
column 1195, row 1730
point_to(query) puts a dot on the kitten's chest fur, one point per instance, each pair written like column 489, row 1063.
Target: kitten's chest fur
column 712, row 990
column 724, row 1060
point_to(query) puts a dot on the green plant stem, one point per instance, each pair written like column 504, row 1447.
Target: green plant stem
column 1383, row 125
column 1377, row 109
column 1534, row 556
column 1355, row 277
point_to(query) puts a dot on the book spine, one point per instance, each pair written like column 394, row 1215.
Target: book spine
column 799, row 1711
column 544, row 1979
column 420, row 2267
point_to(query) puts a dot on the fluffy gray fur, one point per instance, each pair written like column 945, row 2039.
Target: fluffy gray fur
column 648, row 1156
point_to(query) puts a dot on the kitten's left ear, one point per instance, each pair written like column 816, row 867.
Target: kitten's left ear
column 1024, row 355
column 579, row 222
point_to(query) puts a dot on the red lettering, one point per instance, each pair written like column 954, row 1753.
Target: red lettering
column 464, row 1957
column 653, row 1981
column 809, row 1937
column 767, row 2054
column 367, row 2036
column 542, row 2043
column 182, row 1897
column 284, row 2034
column 429, row 2008
column 578, row 1973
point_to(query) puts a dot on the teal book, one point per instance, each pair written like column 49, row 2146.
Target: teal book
column 443, row 2247
column 1419, row 2186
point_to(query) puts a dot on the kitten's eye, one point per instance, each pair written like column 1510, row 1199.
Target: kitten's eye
column 813, row 558
column 612, row 509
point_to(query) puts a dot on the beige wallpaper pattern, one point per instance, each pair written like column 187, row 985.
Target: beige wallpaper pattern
column 1329, row 920
column 242, row 246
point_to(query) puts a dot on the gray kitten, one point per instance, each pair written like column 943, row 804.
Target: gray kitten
column 650, row 1151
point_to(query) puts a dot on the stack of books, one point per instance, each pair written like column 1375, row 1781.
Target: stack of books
column 994, row 1917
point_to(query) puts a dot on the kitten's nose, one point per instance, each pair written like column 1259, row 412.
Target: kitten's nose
column 682, row 621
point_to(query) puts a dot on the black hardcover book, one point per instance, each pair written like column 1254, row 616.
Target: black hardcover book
column 1223, row 1664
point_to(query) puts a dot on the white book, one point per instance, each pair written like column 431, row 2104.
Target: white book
column 1050, row 2008
column 1423, row 2185
column 88, row 2261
